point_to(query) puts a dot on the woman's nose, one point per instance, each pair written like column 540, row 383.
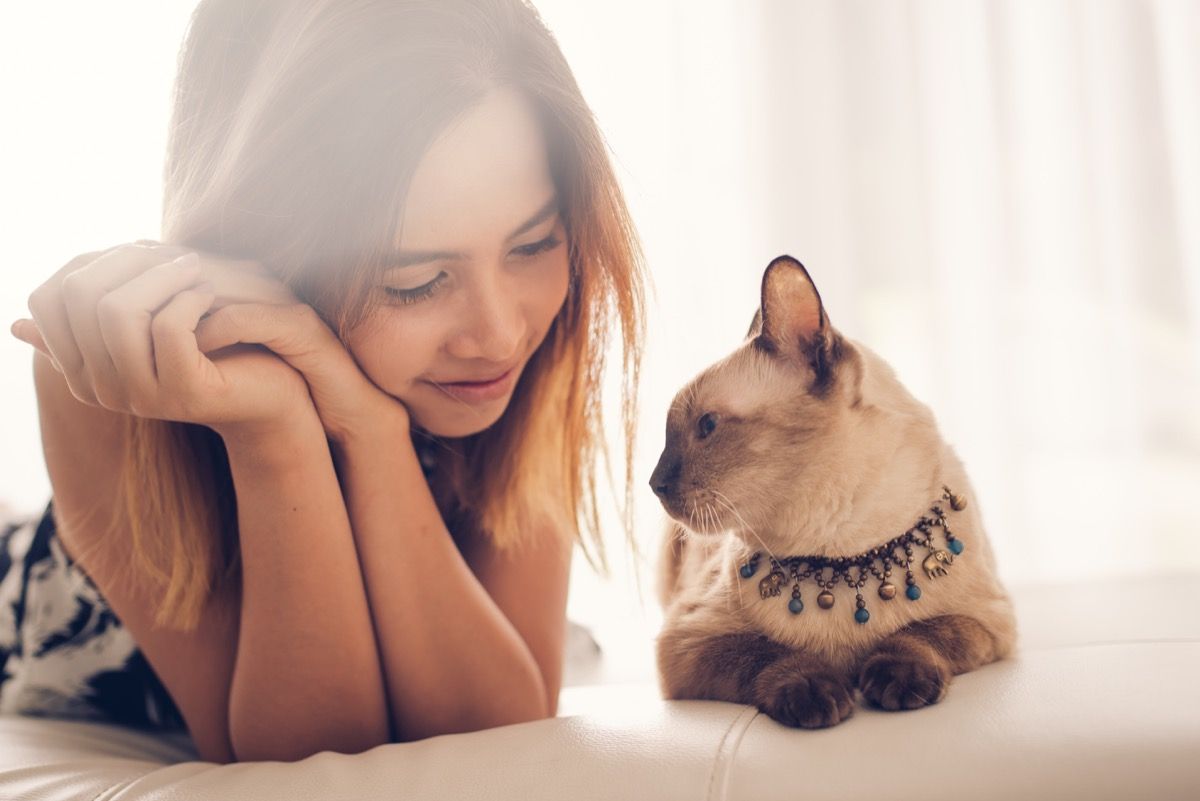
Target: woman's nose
column 493, row 324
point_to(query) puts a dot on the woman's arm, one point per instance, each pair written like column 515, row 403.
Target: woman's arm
column 307, row 676
column 453, row 661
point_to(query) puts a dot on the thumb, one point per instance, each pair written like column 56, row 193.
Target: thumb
column 27, row 331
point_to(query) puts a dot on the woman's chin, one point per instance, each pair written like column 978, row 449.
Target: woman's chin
column 455, row 424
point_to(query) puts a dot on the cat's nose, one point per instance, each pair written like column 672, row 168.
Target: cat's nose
column 665, row 474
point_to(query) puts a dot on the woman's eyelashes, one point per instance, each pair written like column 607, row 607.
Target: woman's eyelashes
column 420, row 293
column 427, row 290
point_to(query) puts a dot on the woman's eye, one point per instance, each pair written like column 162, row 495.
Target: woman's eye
column 534, row 248
column 418, row 294
column 424, row 291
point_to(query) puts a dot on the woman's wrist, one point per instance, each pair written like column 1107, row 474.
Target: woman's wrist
column 387, row 421
column 271, row 442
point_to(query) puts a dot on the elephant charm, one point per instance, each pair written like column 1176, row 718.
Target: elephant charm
column 935, row 564
column 772, row 584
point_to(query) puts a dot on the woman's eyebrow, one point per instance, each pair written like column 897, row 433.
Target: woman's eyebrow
column 410, row 258
column 543, row 214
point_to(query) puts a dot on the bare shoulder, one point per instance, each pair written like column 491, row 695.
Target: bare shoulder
column 83, row 446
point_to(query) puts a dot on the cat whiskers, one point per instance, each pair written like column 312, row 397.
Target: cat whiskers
column 730, row 590
column 723, row 499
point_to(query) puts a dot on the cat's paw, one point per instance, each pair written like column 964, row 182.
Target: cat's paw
column 805, row 700
column 901, row 681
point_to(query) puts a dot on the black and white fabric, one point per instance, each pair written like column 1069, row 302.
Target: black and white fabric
column 63, row 651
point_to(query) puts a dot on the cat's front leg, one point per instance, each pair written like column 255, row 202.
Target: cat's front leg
column 912, row 667
column 792, row 687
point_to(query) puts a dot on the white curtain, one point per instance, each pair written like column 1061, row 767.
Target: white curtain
column 1002, row 198
column 1005, row 196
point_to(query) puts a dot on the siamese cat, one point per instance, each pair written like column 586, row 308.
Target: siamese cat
column 823, row 538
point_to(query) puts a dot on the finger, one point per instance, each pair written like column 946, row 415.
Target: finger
column 83, row 290
column 124, row 315
column 26, row 331
column 295, row 332
column 178, row 362
column 244, row 281
column 49, row 314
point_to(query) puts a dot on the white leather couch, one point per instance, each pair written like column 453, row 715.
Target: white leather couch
column 1102, row 702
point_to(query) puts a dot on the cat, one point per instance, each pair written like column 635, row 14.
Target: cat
column 804, row 442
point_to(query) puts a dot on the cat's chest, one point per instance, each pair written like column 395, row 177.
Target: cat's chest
column 834, row 631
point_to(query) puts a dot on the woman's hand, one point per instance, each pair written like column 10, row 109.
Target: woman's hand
column 348, row 403
column 130, row 330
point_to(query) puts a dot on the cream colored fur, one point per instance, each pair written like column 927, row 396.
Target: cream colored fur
column 854, row 470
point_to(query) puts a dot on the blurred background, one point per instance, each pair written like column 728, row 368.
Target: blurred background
column 1001, row 198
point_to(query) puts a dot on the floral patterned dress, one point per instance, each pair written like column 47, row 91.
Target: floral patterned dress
column 63, row 651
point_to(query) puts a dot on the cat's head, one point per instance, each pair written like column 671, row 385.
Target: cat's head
column 777, row 439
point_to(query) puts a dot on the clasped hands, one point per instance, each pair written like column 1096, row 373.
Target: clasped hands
column 167, row 332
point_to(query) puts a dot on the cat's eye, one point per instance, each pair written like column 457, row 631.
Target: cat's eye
column 706, row 424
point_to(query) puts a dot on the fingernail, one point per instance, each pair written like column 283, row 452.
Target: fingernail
column 16, row 327
column 187, row 259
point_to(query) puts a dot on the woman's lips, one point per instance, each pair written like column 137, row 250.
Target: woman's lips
column 481, row 391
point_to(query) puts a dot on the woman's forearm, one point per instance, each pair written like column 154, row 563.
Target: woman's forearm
column 452, row 660
column 307, row 677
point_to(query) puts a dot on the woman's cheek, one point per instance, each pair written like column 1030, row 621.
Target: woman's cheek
column 558, row 285
column 392, row 352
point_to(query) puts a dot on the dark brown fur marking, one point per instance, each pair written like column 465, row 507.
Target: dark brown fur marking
column 913, row 667
column 795, row 688
column 722, row 668
column 824, row 352
column 802, row 690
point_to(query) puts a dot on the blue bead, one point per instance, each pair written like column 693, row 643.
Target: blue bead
column 956, row 546
column 913, row 592
column 795, row 606
column 747, row 571
column 862, row 615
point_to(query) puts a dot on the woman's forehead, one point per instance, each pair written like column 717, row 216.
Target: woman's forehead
column 484, row 176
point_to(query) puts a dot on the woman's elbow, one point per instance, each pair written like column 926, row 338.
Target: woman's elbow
column 259, row 741
column 278, row 748
column 519, row 709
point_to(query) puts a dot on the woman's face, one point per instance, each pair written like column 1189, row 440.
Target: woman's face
column 482, row 271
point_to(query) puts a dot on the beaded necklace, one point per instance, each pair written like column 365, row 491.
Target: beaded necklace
column 878, row 562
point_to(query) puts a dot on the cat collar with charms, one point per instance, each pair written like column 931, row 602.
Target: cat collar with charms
column 878, row 561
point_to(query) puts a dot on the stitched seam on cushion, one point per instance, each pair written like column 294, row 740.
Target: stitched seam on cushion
column 1101, row 643
column 117, row 788
column 726, row 751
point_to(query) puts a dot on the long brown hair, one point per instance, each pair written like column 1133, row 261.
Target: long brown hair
column 296, row 129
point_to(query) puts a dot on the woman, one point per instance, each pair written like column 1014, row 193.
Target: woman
column 274, row 466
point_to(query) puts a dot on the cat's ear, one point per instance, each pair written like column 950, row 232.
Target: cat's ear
column 791, row 312
column 794, row 322
column 755, row 324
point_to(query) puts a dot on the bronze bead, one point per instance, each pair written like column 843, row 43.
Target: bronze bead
column 887, row 591
column 825, row 599
column 957, row 502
